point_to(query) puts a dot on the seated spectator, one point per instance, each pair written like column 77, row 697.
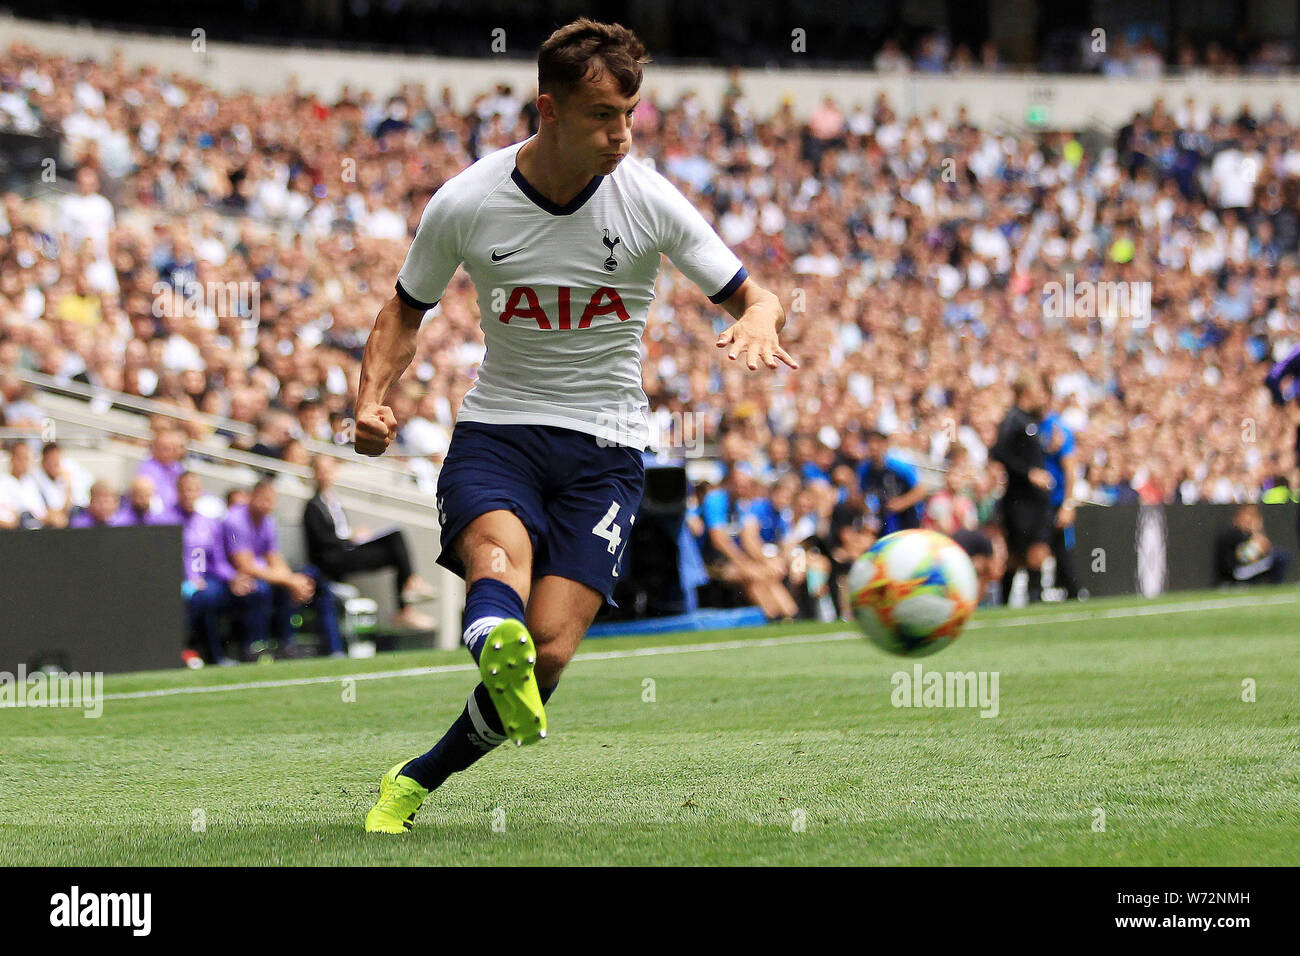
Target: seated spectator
column 20, row 495
column 852, row 531
column 165, row 465
column 274, row 432
column 15, row 398
column 1245, row 556
column 236, row 497
column 339, row 550
column 252, row 543
column 63, row 483
column 1279, row 492
column 140, row 507
column 208, row 575
column 983, row 556
column 101, row 512
column 807, row 570
column 893, row 484
column 734, row 549
column 952, row 508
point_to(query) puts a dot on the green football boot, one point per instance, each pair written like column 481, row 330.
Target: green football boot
column 399, row 799
column 506, row 665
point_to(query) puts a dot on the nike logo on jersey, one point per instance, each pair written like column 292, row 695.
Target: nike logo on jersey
column 497, row 258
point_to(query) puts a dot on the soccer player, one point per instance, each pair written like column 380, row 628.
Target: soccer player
column 562, row 235
column 1026, row 509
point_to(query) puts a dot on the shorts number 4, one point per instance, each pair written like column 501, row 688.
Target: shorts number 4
column 605, row 528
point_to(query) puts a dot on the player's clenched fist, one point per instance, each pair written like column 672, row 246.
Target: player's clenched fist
column 376, row 429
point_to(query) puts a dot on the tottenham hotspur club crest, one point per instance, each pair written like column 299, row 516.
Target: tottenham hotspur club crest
column 611, row 263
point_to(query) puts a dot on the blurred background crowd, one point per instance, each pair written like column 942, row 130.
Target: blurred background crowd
column 1145, row 37
column 917, row 258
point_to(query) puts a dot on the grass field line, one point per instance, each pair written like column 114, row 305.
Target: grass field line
column 1218, row 604
column 789, row 639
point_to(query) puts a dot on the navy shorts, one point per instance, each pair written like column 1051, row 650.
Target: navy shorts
column 577, row 500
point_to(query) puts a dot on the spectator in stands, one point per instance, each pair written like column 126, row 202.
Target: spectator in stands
column 979, row 547
column 141, row 506
column 922, row 293
column 1244, row 554
column 952, row 508
column 339, row 550
column 853, row 529
column 252, row 543
column 64, row 484
column 733, row 547
column 19, row 409
column 86, row 214
column 296, row 453
column 208, row 575
column 165, row 466
column 101, row 512
column 1061, row 461
column 274, row 432
column 890, row 485
column 20, row 495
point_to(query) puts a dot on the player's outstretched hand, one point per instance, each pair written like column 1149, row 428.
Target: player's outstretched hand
column 754, row 335
column 376, row 429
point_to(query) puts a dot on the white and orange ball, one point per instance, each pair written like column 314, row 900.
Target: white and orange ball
column 913, row 591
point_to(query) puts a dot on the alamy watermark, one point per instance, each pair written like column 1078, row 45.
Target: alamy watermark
column 73, row 909
column 1087, row 299
column 923, row 688
column 667, row 431
column 63, row 689
column 194, row 299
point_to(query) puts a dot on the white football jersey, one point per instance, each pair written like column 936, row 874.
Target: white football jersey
column 563, row 291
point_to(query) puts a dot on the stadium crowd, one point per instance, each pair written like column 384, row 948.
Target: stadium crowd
column 921, row 260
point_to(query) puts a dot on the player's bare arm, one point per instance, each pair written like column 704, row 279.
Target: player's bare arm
column 759, row 319
column 389, row 351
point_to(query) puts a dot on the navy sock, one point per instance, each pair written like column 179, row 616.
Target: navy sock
column 1008, row 582
column 1035, row 586
column 476, row 732
column 487, row 603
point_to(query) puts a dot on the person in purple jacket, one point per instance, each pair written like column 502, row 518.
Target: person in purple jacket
column 165, row 467
column 252, row 543
column 209, row 578
column 138, row 508
column 101, row 512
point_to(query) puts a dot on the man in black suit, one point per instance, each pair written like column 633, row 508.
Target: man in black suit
column 334, row 547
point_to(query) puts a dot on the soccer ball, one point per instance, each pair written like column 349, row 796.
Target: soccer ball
column 913, row 592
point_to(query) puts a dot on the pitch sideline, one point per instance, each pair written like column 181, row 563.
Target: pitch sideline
column 789, row 639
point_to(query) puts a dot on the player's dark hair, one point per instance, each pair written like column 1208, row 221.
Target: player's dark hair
column 586, row 49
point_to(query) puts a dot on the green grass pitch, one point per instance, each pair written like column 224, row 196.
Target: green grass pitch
column 779, row 745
